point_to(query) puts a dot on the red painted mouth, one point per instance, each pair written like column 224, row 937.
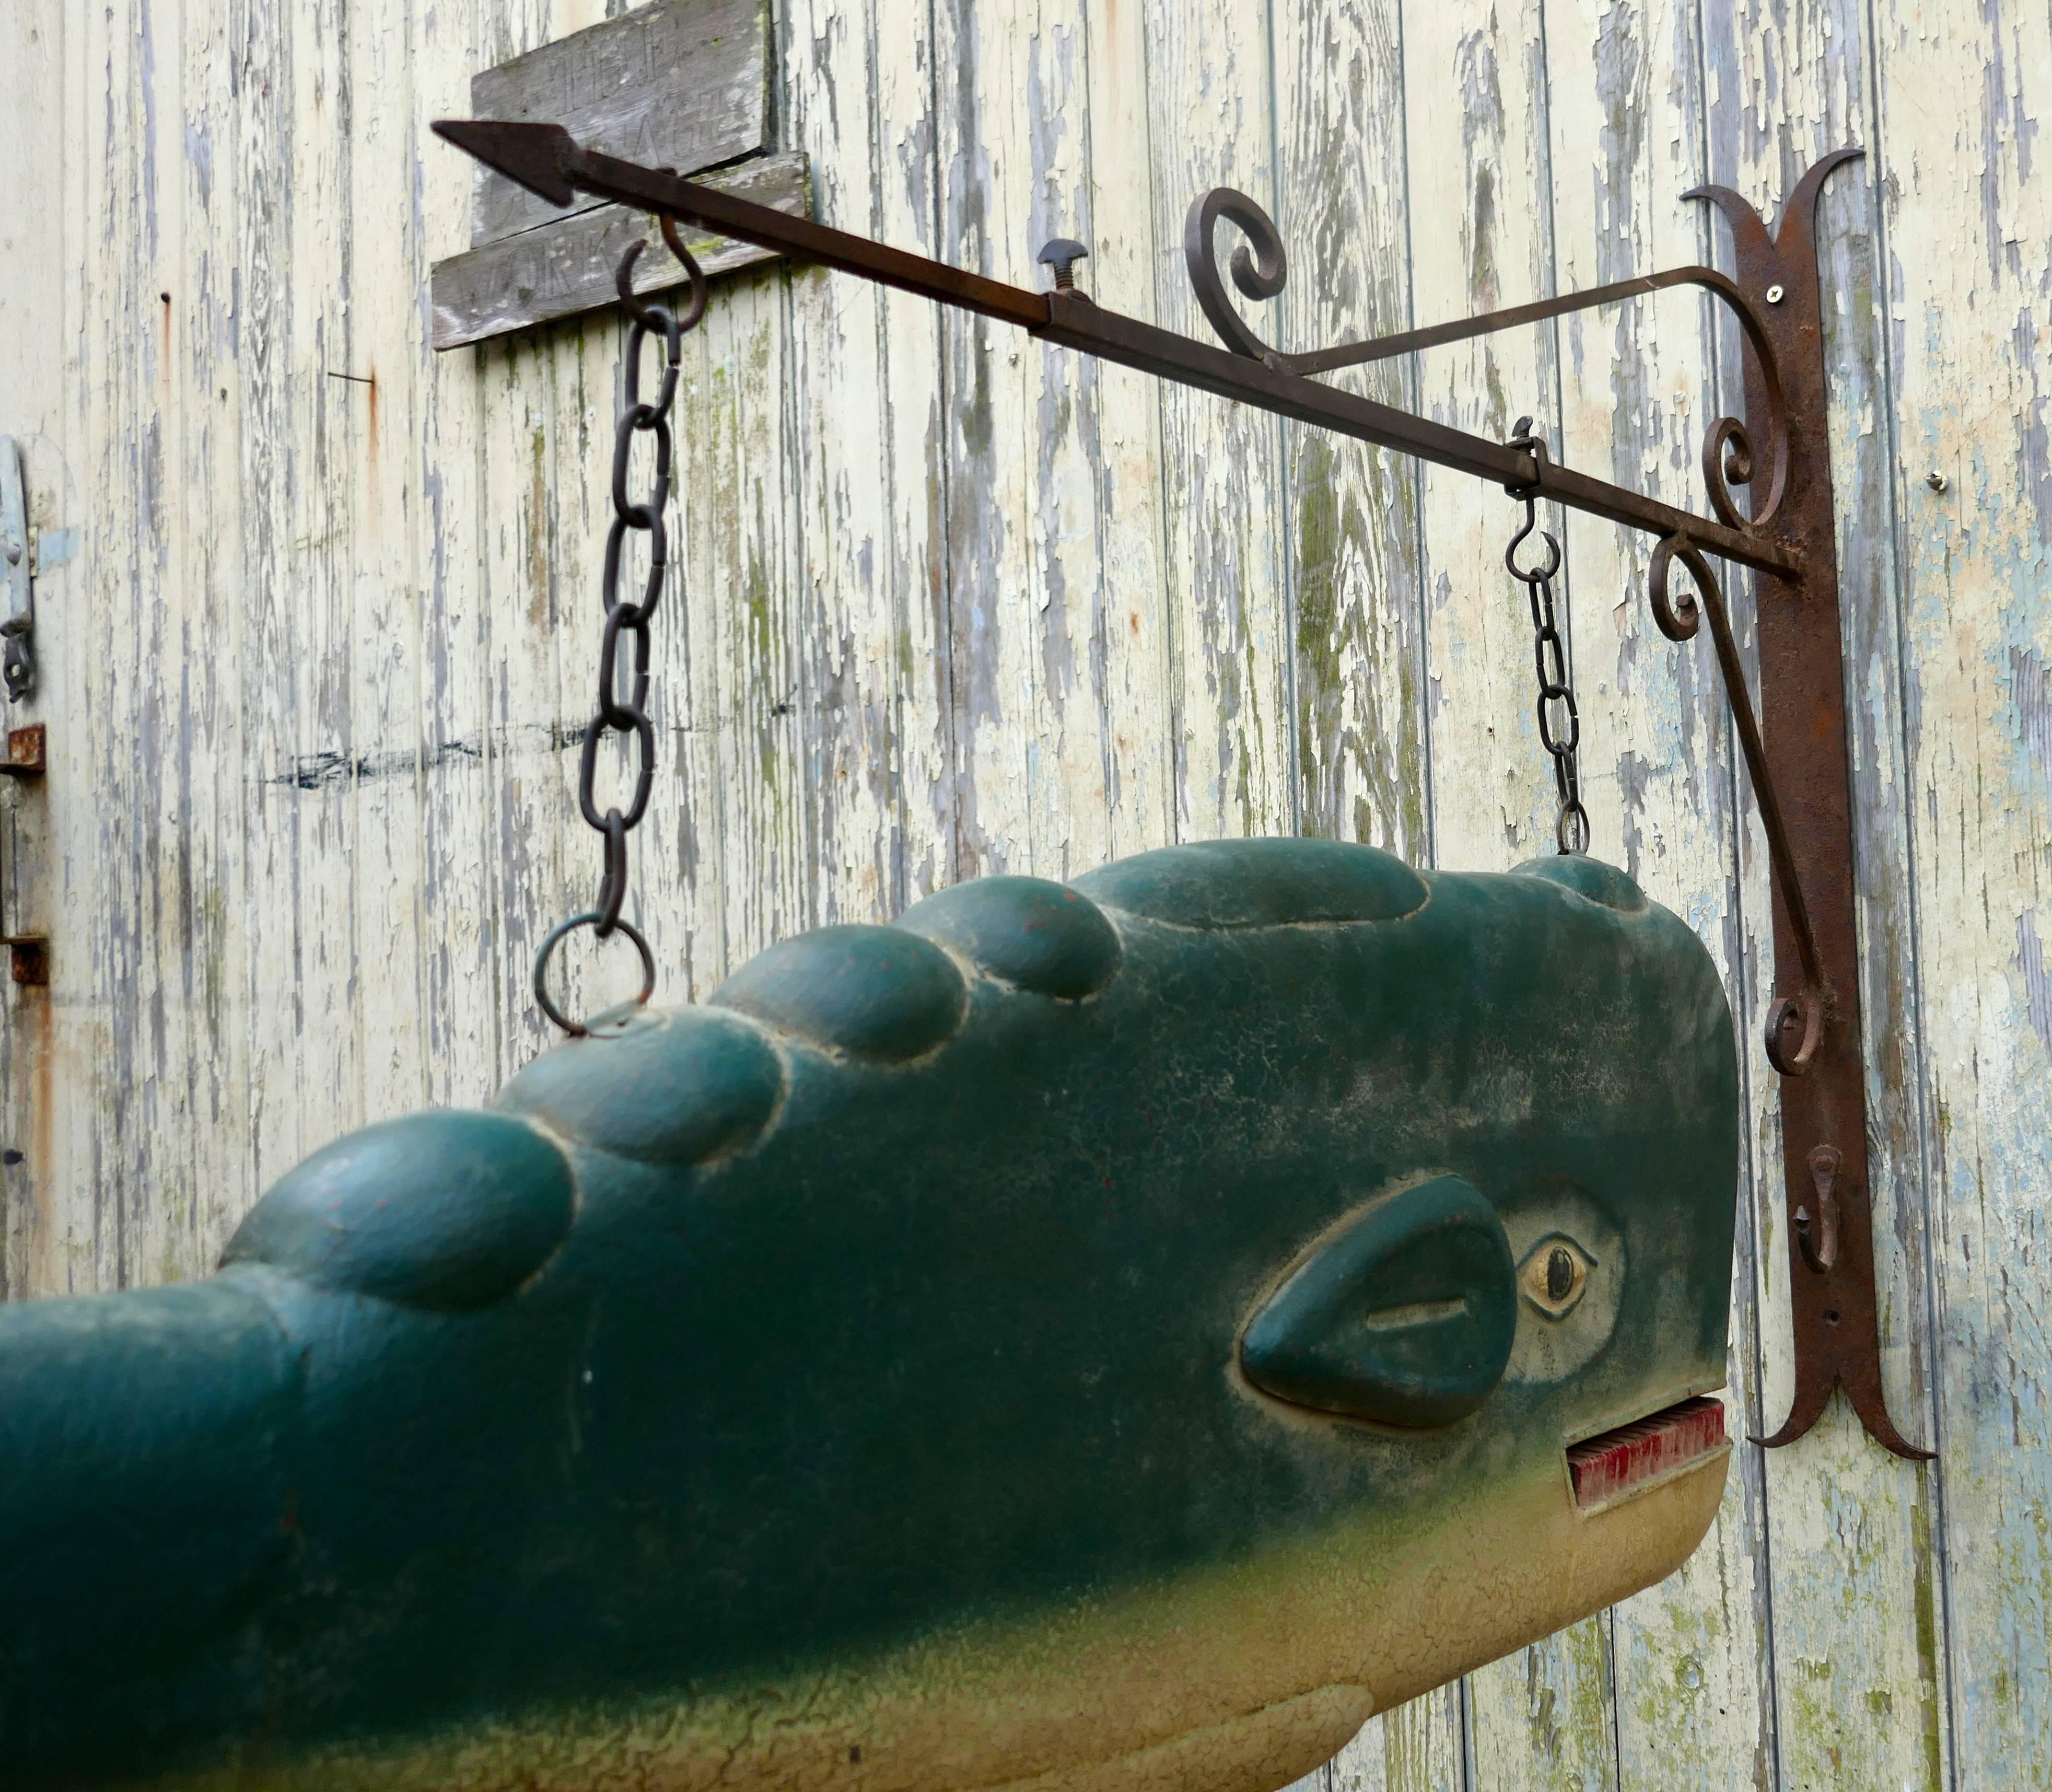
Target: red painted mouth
column 1607, row 1467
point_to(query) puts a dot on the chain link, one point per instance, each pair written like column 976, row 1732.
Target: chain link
column 1559, row 722
column 627, row 621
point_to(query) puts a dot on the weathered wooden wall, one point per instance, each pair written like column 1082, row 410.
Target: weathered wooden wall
column 948, row 601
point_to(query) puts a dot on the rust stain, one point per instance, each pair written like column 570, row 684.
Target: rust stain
column 33, row 1023
column 371, row 428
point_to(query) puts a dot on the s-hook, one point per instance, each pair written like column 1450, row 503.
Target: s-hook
column 1556, row 695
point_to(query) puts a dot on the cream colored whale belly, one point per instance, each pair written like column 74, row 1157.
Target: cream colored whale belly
column 1300, row 1644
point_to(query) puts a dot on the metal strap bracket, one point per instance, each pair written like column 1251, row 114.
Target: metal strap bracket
column 18, row 664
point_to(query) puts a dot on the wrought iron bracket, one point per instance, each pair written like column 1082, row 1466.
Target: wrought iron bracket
column 1830, row 1241
column 1795, row 745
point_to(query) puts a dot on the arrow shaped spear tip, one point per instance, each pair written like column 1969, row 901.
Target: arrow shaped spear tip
column 538, row 157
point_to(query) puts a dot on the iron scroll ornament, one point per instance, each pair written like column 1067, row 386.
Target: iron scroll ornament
column 1261, row 270
column 1678, row 617
column 1789, row 538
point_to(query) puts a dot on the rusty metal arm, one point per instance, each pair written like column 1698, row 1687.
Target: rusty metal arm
column 1461, row 329
column 1075, row 322
column 547, row 159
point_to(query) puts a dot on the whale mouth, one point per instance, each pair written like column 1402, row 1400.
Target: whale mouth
column 1613, row 1465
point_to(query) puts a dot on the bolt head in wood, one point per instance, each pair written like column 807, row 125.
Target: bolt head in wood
column 1062, row 253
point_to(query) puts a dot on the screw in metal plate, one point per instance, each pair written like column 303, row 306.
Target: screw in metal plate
column 1062, row 254
column 1936, row 480
column 1775, row 294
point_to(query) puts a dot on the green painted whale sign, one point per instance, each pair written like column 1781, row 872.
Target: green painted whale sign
column 1107, row 1336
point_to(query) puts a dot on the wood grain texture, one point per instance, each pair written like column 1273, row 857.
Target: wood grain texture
column 1210, row 86
column 1857, row 1634
column 564, row 265
column 859, row 85
column 944, row 601
column 1356, row 671
column 677, row 83
column 1964, row 223
column 1478, row 62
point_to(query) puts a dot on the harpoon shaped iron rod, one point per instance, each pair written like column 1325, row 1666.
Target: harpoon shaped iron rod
column 547, row 160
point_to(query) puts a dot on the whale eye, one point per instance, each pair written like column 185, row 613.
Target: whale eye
column 1554, row 1274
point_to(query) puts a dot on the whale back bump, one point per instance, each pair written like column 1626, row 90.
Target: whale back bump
column 446, row 1211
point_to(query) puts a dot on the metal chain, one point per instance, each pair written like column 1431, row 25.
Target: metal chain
column 626, row 627
column 1559, row 722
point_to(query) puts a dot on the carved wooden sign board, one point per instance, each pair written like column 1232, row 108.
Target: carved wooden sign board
column 682, row 84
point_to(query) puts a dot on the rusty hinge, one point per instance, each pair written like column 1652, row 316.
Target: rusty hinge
column 26, row 759
column 18, row 623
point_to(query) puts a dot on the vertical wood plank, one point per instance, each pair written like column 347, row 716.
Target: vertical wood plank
column 1543, row 1717
column 1420, row 1746
column 1037, row 131
column 1353, row 569
column 1475, row 74
column 684, row 863
column 527, row 781
column 203, row 927
column 281, row 552
column 750, row 578
column 96, row 1239
column 1121, row 417
column 522, row 590
column 43, row 865
column 1210, row 81
column 1040, row 627
column 214, row 933
column 147, row 1214
column 915, row 551
column 866, row 400
column 1961, row 97
column 311, row 612
column 462, row 997
column 1848, row 1553
column 985, row 224
column 383, row 139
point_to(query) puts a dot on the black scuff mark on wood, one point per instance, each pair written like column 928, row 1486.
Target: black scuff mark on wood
column 2030, row 963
